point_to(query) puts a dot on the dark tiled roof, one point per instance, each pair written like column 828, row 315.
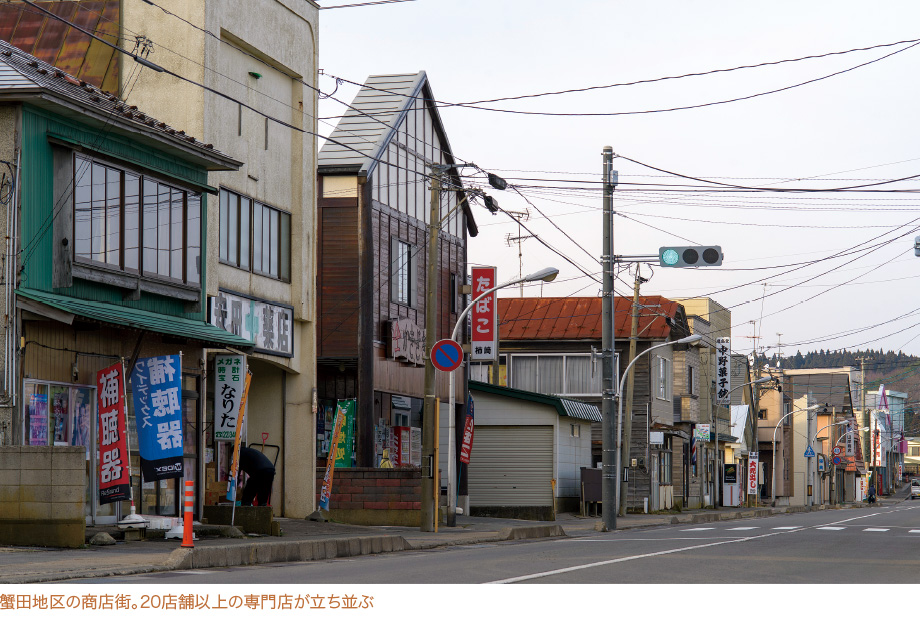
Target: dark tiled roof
column 579, row 318
column 49, row 78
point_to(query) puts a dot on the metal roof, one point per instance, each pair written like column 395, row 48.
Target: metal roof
column 368, row 124
column 143, row 320
column 579, row 318
column 564, row 406
column 50, row 83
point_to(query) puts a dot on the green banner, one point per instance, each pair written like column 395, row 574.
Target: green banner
column 345, row 449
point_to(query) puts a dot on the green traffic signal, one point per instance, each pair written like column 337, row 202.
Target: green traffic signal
column 690, row 256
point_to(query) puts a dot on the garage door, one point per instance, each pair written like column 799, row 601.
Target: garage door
column 511, row 466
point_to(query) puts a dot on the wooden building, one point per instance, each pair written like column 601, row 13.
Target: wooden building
column 373, row 207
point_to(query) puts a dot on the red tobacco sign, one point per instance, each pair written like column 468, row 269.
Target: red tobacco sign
column 114, row 479
column 484, row 316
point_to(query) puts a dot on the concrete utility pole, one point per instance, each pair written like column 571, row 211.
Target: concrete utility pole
column 429, row 509
column 862, row 402
column 810, row 426
column 628, row 396
column 609, row 481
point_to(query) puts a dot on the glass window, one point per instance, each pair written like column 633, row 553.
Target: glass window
column 401, row 261
column 254, row 236
column 551, row 368
column 524, row 370
column 132, row 222
column 193, row 256
column 663, row 379
column 578, row 377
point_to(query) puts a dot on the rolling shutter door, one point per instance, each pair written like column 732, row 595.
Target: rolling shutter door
column 511, row 466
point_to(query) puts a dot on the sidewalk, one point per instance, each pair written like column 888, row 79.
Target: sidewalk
column 304, row 540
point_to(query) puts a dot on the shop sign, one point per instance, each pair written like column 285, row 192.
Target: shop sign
column 467, row 446
column 326, row 490
column 701, row 432
column 406, row 342
column 269, row 326
column 850, row 440
column 235, row 461
column 344, row 451
column 730, row 473
column 484, row 315
column 156, row 386
column 230, row 371
column 753, row 459
column 114, row 476
column 723, row 371
column 822, row 465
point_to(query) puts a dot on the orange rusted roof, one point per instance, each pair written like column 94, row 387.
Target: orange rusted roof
column 579, row 318
column 63, row 46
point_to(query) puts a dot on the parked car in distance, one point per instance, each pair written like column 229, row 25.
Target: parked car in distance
column 914, row 488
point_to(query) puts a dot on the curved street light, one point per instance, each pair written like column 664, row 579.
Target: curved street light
column 687, row 340
column 773, row 475
column 547, row 274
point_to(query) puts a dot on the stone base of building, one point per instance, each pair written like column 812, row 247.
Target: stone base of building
column 372, row 496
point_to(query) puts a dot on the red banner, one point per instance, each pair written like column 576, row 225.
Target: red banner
column 114, row 477
column 484, row 315
column 467, row 445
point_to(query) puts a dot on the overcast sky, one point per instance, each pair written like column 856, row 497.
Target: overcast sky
column 855, row 128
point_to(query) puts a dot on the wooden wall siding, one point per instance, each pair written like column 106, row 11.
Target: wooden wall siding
column 639, row 479
column 333, row 384
column 338, row 281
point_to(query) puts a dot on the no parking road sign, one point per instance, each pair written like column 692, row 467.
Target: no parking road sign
column 446, row 355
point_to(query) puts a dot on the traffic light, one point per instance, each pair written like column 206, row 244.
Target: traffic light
column 916, row 246
column 690, row 256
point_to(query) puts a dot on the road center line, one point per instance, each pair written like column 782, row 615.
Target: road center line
column 561, row 571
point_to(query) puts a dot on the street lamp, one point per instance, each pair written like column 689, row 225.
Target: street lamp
column 545, row 275
column 715, row 418
column 773, row 476
column 610, row 521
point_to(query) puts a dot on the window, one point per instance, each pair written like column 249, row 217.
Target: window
column 664, row 464
column 403, row 278
column 135, row 223
column 762, row 414
column 566, row 375
column 663, row 378
column 576, row 430
column 454, row 293
column 691, row 380
column 915, row 450
column 254, row 236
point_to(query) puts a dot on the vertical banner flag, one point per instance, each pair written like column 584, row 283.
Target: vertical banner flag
column 235, row 461
column 723, row 371
column 345, row 450
column 156, row 386
column 228, row 392
column 326, row 489
column 484, row 315
column 38, row 420
column 753, row 458
column 467, row 445
column 114, row 479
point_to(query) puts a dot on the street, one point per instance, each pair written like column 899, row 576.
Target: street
column 875, row 545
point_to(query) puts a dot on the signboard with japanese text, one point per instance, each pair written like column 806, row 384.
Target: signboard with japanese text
column 484, row 315
column 114, row 478
column 468, row 427
column 850, row 439
column 752, row 469
column 701, row 432
column 406, row 342
column 877, row 449
column 156, row 388
column 269, row 325
column 230, row 372
column 38, row 420
column 723, row 371
column 235, row 460
column 337, row 426
column 344, row 452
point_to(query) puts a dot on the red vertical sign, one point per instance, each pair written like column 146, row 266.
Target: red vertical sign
column 484, row 315
column 114, row 479
column 467, row 445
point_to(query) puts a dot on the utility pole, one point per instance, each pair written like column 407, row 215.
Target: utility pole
column 628, row 396
column 519, row 216
column 609, row 481
column 865, row 414
column 429, row 509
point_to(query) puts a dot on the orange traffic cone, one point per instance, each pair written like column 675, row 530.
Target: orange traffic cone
column 188, row 535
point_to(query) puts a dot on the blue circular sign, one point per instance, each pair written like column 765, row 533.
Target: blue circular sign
column 837, row 460
column 446, row 355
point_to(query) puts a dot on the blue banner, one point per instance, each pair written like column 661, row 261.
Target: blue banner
column 156, row 386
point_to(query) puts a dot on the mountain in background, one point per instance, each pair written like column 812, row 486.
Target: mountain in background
column 898, row 371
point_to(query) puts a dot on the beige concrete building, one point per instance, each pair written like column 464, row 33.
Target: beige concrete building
column 259, row 67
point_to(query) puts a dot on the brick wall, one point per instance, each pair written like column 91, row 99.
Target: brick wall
column 42, row 495
column 369, row 496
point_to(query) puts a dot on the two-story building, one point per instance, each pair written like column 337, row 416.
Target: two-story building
column 105, row 216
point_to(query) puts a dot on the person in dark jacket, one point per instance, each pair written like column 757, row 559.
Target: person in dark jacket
column 261, row 474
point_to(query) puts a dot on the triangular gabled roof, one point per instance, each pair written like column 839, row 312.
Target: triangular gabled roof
column 364, row 132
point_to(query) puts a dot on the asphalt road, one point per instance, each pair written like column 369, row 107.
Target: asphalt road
column 835, row 546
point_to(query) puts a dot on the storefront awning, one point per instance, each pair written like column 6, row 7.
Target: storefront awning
column 132, row 318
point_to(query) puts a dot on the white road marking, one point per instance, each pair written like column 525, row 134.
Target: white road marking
column 876, row 529
column 828, row 527
column 618, row 539
column 787, row 527
column 914, row 532
column 732, row 529
column 698, row 529
column 571, row 569
column 192, row 572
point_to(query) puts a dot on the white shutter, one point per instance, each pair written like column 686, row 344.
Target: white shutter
column 511, row 466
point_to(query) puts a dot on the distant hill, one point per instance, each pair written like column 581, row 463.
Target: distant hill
column 898, row 371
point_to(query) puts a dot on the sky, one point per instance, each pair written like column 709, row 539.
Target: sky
column 808, row 270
